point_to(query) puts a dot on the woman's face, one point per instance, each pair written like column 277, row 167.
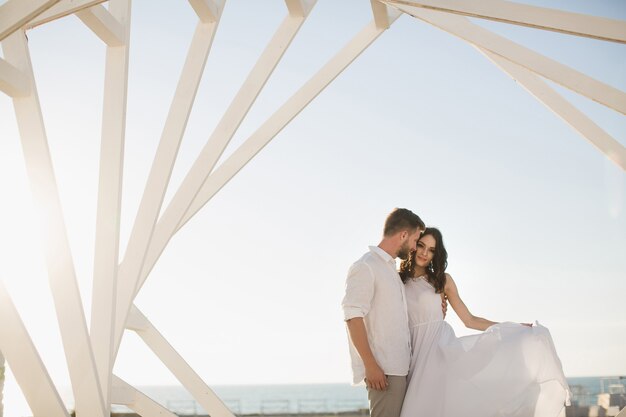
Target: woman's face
column 425, row 251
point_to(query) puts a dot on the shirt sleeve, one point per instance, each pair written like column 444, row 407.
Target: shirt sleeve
column 359, row 291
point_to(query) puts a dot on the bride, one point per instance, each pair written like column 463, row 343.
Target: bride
column 509, row 370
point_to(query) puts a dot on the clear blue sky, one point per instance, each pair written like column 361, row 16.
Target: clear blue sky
column 249, row 292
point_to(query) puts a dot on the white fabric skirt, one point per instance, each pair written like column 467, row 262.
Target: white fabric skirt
column 509, row 370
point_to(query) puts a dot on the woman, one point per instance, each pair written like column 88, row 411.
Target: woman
column 509, row 370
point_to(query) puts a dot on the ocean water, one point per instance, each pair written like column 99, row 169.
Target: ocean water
column 266, row 399
column 586, row 389
column 303, row 398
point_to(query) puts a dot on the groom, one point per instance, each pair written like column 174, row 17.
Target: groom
column 375, row 311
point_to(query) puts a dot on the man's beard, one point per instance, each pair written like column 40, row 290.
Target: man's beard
column 403, row 253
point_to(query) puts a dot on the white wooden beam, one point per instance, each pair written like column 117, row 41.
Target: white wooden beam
column 104, row 25
column 208, row 157
column 61, row 9
column 14, row 14
column 531, row 16
column 177, row 365
column 529, row 59
column 384, row 16
column 65, row 293
column 125, row 394
column 122, row 393
column 604, row 142
column 208, row 11
column 229, row 123
column 273, row 126
column 110, row 197
column 12, row 81
column 29, row 371
column 160, row 172
column 300, row 8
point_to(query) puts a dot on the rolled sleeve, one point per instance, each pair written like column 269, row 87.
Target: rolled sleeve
column 359, row 291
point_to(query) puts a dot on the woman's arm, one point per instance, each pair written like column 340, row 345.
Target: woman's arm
column 461, row 310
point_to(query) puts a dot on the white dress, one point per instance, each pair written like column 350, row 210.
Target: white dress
column 509, row 370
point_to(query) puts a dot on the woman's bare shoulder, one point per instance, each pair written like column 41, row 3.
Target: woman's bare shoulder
column 449, row 282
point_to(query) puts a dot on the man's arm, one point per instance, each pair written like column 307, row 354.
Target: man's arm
column 374, row 376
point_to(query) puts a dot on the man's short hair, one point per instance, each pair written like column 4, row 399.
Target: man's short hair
column 401, row 219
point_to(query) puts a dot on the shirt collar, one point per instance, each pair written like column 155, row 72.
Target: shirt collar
column 384, row 255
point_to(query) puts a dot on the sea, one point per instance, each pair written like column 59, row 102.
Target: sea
column 309, row 398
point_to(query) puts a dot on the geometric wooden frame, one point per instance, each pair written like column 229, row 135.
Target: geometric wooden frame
column 91, row 351
column 524, row 64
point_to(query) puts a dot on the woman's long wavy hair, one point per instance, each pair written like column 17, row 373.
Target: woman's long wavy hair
column 436, row 270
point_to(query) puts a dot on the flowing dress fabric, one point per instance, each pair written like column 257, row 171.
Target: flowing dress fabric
column 509, row 370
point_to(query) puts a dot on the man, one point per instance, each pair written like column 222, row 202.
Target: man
column 375, row 311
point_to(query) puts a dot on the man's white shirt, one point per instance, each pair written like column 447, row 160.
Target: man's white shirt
column 375, row 292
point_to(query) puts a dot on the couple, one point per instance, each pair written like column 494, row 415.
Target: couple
column 409, row 357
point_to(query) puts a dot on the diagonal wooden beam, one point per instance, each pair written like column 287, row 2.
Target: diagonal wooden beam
column 529, row 59
column 300, row 8
column 531, row 16
column 208, row 157
column 14, row 14
column 599, row 138
column 61, row 9
column 160, row 172
column 382, row 17
column 264, row 134
column 290, row 109
column 204, row 395
column 104, row 25
column 12, row 81
column 108, row 215
column 60, row 265
column 227, row 126
column 125, row 394
column 208, row 11
column 26, row 364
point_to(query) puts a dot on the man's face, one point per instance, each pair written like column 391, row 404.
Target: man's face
column 409, row 244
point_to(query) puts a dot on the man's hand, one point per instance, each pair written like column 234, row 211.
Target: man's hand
column 444, row 304
column 375, row 378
